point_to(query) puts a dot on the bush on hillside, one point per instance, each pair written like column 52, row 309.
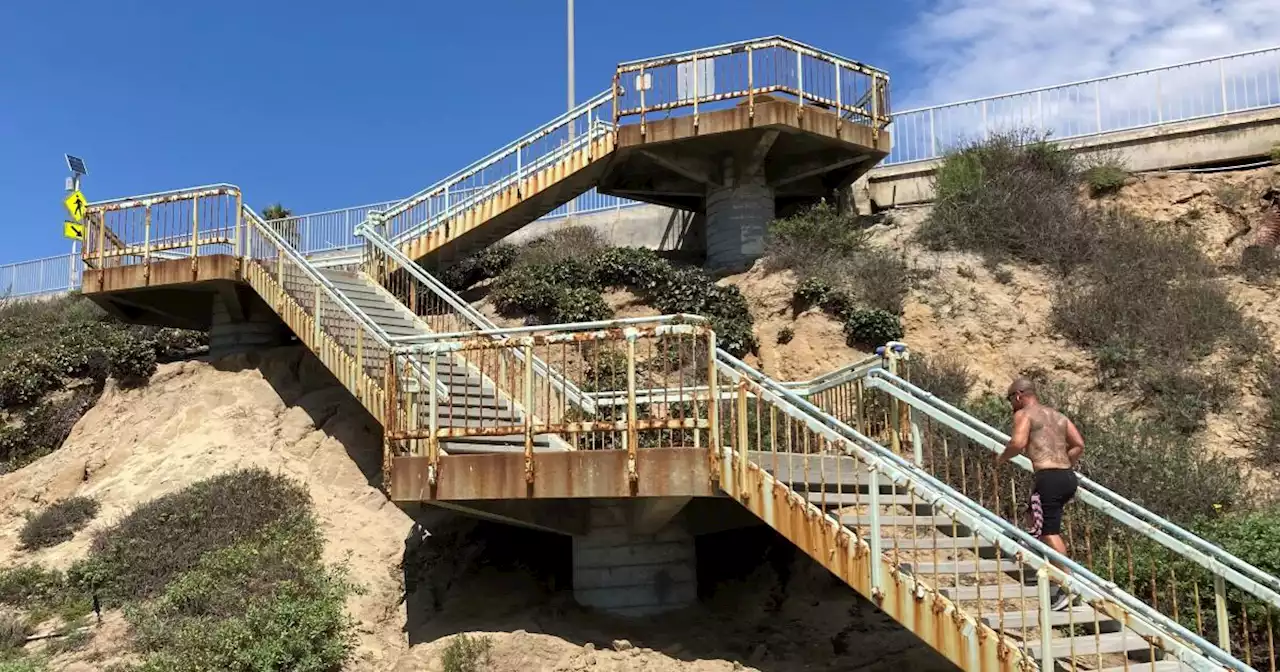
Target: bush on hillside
column 40, row 593
column 829, row 249
column 1011, row 196
column 58, row 523
column 569, row 290
column 1150, row 292
column 1182, row 399
column 263, row 603
column 36, row 431
column 1105, row 177
column 945, row 376
column 1263, row 436
column 166, row 537
column 488, row 263
column 14, row 631
column 467, row 654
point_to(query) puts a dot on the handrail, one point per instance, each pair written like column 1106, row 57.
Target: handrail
column 142, row 199
column 408, row 344
column 465, row 309
column 1104, row 78
column 480, row 194
column 285, row 248
column 492, row 157
column 759, row 43
column 1213, row 558
column 902, row 470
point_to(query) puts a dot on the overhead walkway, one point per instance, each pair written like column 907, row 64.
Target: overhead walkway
column 633, row 431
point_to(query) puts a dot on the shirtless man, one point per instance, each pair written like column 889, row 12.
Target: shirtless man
column 1054, row 445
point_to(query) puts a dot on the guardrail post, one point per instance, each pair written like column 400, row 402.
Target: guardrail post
column 873, row 539
column 1046, row 626
column 713, row 409
column 146, row 245
column 633, row 435
column 528, row 414
column 1220, row 606
column 740, row 449
column 800, row 76
column 315, row 337
column 751, row 88
column 1222, row 75
column 433, row 421
column 236, row 236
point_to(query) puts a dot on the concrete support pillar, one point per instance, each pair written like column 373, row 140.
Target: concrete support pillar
column 618, row 570
column 243, row 327
column 737, row 218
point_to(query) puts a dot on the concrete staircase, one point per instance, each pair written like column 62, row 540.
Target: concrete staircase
column 965, row 568
column 468, row 399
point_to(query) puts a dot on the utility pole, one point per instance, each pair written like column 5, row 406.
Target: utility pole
column 571, row 96
column 569, row 207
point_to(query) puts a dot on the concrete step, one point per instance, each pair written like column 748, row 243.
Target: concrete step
column 839, row 499
column 1083, row 615
column 1005, row 591
column 1124, row 641
column 863, row 520
column 962, row 567
column 1153, row 666
column 943, row 543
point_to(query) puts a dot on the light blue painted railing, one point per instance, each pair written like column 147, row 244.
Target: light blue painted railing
column 1172, row 94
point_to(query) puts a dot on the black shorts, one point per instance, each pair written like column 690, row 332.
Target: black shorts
column 1052, row 490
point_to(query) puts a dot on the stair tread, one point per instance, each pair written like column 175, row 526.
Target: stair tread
column 1007, row 591
column 901, row 520
column 1154, row 666
column 1014, row 620
column 1123, row 641
column 927, row 569
column 862, row 498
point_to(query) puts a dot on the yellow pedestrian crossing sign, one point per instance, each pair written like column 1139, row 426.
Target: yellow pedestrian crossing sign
column 73, row 230
column 76, row 205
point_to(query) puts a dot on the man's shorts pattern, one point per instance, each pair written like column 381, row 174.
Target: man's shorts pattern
column 1052, row 490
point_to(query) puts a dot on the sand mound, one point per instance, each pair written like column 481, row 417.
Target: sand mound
column 279, row 410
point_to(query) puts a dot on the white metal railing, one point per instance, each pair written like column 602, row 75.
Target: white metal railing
column 40, row 277
column 1172, row 94
column 499, row 170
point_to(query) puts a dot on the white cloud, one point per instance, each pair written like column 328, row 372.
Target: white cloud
column 973, row 48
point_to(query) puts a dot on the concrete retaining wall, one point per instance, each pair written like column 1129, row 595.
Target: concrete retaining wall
column 1194, row 143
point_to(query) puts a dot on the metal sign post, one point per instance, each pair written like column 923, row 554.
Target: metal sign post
column 75, row 203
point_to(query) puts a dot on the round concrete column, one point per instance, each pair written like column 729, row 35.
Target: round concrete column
column 261, row 328
column 737, row 218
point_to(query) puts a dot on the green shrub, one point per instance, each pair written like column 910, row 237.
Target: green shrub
column 138, row 557
column 58, row 523
column 1182, row 399
column 1275, row 152
column 488, row 263
column 42, row 428
column 636, row 268
column 1010, row 196
column 561, row 245
column 39, row 593
column 1105, row 177
column 811, row 292
column 817, row 234
column 22, row 665
column 872, row 328
column 580, row 304
column 1148, row 291
column 785, row 335
column 14, row 631
column 945, row 376
column 265, row 603
column 467, row 654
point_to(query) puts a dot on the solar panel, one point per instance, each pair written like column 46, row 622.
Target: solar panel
column 76, row 165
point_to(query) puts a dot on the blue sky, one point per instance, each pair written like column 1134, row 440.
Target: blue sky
column 329, row 104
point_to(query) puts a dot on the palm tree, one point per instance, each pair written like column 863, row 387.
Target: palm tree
column 278, row 217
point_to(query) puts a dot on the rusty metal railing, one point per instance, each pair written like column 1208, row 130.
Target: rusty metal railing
column 738, row 73
column 183, row 223
column 927, row 553
column 662, row 352
column 1211, row 593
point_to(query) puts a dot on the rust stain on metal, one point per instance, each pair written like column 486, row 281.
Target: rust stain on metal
column 109, row 206
column 571, row 474
column 911, row 602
